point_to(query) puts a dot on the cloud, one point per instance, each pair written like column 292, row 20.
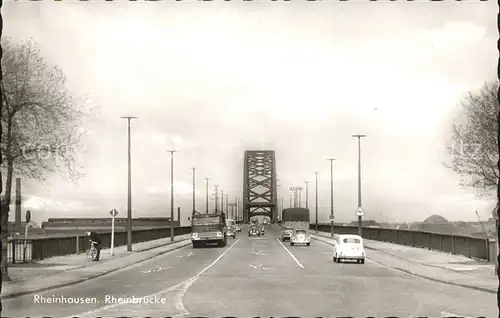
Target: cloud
column 212, row 83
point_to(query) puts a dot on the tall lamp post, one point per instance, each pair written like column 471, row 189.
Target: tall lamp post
column 129, row 191
column 206, row 203
column 227, row 204
column 316, row 173
column 360, row 206
column 332, row 214
column 222, row 201
column 172, row 228
column 307, row 194
column 194, row 189
column 216, row 196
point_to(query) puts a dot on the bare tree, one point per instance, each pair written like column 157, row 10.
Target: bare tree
column 473, row 145
column 41, row 123
column 1, row 111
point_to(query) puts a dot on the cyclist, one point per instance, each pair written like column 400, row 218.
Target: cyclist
column 93, row 237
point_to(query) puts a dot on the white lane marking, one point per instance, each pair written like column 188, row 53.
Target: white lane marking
column 179, row 304
column 259, row 253
column 156, row 270
column 256, row 266
column 449, row 314
column 286, row 249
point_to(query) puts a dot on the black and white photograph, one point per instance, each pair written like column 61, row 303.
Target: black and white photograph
column 249, row 158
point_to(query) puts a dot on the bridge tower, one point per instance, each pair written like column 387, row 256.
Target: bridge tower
column 259, row 185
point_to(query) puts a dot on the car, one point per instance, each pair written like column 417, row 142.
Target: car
column 238, row 228
column 286, row 233
column 349, row 247
column 300, row 236
column 253, row 231
column 231, row 231
column 262, row 230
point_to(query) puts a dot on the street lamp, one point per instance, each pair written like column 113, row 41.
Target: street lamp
column 307, row 194
column 206, row 204
column 316, row 173
column 332, row 215
column 227, row 203
column 172, row 228
column 222, row 201
column 194, row 189
column 360, row 210
column 129, row 199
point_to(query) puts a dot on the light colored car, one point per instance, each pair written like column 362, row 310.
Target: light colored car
column 238, row 228
column 286, row 233
column 231, row 231
column 349, row 247
column 300, row 236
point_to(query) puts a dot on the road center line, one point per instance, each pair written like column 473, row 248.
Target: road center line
column 286, row 249
column 185, row 284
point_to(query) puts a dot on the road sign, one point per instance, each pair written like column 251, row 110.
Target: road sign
column 113, row 212
column 332, row 217
column 360, row 212
column 28, row 216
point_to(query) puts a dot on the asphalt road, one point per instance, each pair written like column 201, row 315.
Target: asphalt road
column 260, row 277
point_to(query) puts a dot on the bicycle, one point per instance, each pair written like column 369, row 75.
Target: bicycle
column 92, row 252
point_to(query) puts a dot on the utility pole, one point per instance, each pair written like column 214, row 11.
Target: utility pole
column 290, row 200
column 172, row 227
column 206, row 204
column 332, row 214
column 300, row 196
column 316, row 173
column 129, row 199
column 360, row 206
column 194, row 189
column 307, row 194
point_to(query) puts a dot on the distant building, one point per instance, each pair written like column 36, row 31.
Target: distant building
column 103, row 224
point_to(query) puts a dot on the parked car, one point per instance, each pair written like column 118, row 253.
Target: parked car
column 300, row 237
column 349, row 247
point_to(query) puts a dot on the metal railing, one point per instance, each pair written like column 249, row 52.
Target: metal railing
column 19, row 251
column 469, row 246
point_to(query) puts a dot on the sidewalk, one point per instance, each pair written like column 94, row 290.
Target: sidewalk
column 446, row 268
column 67, row 270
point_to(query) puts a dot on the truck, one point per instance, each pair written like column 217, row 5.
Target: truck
column 208, row 229
column 296, row 221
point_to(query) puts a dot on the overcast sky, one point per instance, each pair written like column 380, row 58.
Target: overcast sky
column 214, row 79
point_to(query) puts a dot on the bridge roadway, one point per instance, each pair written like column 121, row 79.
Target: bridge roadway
column 259, row 277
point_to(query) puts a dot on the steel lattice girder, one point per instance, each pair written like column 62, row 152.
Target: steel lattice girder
column 259, row 172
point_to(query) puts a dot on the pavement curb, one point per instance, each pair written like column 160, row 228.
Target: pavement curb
column 482, row 289
column 81, row 280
